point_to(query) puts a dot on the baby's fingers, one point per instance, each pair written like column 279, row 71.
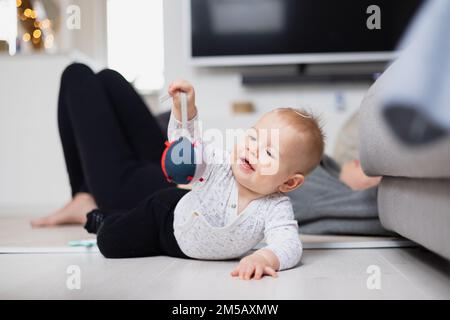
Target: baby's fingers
column 180, row 85
column 259, row 272
column 235, row 272
column 270, row 272
column 249, row 272
column 242, row 270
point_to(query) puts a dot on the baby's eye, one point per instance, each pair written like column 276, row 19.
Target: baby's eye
column 269, row 153
column 252, row 138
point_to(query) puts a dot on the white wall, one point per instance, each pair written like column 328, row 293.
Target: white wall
column 216, row 88
column 32, row 171
column 91, row 38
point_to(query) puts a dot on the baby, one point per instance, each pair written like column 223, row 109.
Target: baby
column 240, row 200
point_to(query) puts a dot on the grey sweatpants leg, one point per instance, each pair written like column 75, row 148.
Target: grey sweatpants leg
column 325, row 205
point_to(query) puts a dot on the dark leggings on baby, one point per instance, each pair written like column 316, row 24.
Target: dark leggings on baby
column 146, row 230
column 112, row 147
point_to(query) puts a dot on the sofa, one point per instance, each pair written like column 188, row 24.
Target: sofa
column 414, row 194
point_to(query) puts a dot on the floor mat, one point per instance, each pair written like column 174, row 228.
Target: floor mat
column 17, row 236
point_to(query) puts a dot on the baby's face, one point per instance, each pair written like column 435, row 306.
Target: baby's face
column 267, row 158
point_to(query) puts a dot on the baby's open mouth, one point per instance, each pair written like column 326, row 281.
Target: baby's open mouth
column 246, row 164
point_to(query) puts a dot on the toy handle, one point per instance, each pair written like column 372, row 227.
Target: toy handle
column 184, row 112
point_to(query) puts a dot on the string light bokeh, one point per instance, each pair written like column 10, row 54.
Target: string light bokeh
column 37, row 28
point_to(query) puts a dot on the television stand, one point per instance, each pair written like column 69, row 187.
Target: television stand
column 305, row 74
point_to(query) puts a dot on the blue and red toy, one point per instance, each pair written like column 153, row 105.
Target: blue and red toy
column 181, row 160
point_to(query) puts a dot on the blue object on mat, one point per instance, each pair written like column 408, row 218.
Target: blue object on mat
column 83, row 243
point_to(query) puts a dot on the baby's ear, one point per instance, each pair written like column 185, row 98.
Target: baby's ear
column 292, row 183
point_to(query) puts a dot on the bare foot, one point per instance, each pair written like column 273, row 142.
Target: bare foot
column 353, row 176
column 72, row 213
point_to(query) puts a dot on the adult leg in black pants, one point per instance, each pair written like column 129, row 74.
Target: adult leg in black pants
column 112, row 144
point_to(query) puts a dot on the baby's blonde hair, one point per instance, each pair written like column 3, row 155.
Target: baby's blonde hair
column 310, row 129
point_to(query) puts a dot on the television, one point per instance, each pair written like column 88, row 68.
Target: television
column 270, row 32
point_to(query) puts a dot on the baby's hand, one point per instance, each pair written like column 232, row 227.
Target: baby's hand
column 174, row 91
column 254, row 266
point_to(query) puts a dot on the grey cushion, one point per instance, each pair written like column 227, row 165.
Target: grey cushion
column 381, row 153
column 417, row 209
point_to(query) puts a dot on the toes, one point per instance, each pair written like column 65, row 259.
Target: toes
column 47, row 221
column 41, row 222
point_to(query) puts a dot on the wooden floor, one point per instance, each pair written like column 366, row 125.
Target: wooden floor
column 405, row 273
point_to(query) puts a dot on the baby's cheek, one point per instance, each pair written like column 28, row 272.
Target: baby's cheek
column 269, row 166
column 267, row 183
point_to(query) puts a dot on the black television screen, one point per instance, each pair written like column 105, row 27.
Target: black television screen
column 227, row 32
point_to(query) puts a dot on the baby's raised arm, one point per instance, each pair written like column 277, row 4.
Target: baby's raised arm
column 210, row 156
